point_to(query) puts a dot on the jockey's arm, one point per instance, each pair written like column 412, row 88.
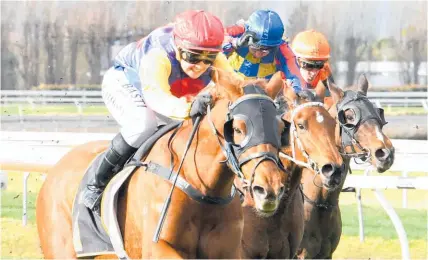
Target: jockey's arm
column 232, row 34
column 326, row 76
column 288, row 65
column 327, row 72
column 222, row 63
column 154, row 72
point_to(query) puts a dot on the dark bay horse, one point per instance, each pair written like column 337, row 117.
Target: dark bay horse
column 192, row 229
column 358, row 135
column 312, row 144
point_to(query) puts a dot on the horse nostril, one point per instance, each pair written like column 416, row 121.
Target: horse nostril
column 328, row 169
column 259, row 190
column 382, row 153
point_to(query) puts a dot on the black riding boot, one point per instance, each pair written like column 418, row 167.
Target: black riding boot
column 114, row 159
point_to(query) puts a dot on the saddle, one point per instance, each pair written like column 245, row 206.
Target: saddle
column 94, row 235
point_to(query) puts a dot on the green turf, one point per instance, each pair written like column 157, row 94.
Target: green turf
column 381, row 240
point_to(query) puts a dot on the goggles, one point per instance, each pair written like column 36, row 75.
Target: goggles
column 194, row 57
column 263, row 50
column 309, row 65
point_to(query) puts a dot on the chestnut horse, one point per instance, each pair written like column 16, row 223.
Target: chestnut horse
column 358, row 135
column 192, row 229
column 312, row 139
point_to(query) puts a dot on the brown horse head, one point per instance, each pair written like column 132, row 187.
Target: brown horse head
column 253, row 132
column 360, row 126
column 312, row 138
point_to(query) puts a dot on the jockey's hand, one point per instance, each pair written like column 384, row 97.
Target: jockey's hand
column 307, row 95
column 245, row 39
column 200, row 104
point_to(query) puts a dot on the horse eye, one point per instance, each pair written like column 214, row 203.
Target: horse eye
column 350, row 117
column 237, row 130
column 301, row 126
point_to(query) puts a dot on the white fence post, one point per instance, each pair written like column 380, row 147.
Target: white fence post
column 24, row 198
column 360, row 207
column 402, row 236
column 404, row 202
column 79, row 106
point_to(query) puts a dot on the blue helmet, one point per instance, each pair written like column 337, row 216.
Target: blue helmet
column 267, row 27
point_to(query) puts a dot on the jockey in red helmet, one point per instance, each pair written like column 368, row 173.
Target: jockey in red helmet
column 157, row 79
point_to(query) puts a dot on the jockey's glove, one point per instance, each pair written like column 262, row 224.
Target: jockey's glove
column 246, row 39
column 307, row 95
column 200, row 105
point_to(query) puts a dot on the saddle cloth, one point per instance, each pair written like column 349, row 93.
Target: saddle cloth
column 94, row 235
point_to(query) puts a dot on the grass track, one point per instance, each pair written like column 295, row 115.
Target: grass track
column 381, row 239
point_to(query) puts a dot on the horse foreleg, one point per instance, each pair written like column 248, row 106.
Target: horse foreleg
column 163, row 249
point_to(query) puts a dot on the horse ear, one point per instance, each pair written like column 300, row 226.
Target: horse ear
column 275, row 84
column 289, row 95
column 336, row 92
column 229, row 82
column 363, row 84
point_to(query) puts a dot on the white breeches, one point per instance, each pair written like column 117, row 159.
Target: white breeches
column 124, row 101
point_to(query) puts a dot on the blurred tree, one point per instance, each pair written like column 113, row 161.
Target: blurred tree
column 355, row 48
column 415, row 47
column 298, row 21
column 49, row 48
column 385, row 49
column 9, row 62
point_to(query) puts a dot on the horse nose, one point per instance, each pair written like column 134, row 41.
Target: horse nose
column 333, row 172
column 382, row 154
column 328, row 169
column 269, row 194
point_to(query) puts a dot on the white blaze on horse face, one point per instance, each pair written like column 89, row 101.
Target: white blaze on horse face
column 319, row 117
column 379, row 135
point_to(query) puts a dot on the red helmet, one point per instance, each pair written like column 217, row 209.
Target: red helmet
column 198, row 30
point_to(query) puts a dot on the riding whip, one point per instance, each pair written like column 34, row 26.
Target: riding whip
column 168, row 200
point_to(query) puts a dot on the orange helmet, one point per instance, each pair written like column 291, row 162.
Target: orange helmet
column 311, row 45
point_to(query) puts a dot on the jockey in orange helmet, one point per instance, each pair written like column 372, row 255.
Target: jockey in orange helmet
column 256, row 48
column 157, row 79
column 312, row 51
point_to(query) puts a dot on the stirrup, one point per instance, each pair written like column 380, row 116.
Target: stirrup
column 92, row 199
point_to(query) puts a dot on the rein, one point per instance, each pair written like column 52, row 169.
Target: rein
column 311, row 164
column 168, row 199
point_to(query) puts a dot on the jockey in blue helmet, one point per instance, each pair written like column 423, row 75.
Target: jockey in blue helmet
column 256, row 48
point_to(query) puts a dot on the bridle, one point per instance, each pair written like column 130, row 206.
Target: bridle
column 311, row 164
column 255, row 110
column 363, row 111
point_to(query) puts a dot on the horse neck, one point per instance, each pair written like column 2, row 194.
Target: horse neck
column 203, row 167
column 333, row 112
column 316, row 193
